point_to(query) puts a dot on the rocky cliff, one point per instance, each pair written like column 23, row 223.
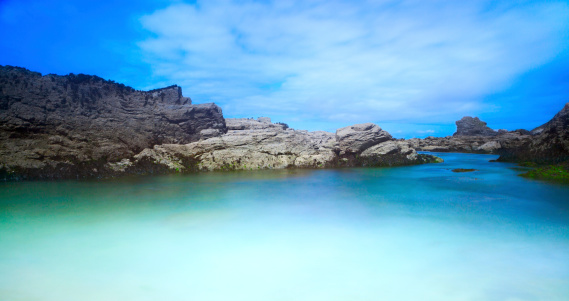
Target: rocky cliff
column 548, row 145
column 82, row 126
column 71, row 126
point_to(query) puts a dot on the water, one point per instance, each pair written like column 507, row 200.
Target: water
column 408, row 233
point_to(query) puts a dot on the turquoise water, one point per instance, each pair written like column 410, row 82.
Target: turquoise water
column 408, row 233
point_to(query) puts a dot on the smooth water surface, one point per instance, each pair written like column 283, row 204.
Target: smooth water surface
column 407, row 233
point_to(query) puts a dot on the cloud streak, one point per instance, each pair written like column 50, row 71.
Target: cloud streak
column 339, row 62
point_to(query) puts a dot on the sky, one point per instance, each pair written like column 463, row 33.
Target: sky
column 412, row 67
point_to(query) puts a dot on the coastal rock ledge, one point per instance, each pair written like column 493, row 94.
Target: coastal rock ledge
column 257, row 144
column 82, row 126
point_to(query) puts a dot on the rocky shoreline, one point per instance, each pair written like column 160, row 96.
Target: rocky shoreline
column 546, row 144
column 81, row 126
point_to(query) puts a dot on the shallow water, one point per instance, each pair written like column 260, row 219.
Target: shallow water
column 407, row 233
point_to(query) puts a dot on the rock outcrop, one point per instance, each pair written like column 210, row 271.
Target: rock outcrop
column 473, row 136
column 258, row 144
column 548, row 145
column 357, row 138
column 70, row 126
column 468, row 126
column 82, row 126
column 471, row 144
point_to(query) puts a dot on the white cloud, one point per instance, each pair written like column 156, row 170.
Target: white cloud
column 344, row 62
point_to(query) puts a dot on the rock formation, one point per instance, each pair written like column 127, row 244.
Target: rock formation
column 258, row 144
column 473, row 136
column 81, row 126
column 357, row 138
column 468, row 126
column 471, row 144
column 548, row 145
column 70, row 126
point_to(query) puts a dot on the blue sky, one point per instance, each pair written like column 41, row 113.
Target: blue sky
column 413, row 67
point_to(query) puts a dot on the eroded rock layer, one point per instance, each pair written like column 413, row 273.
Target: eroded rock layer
column 70, row 126
column 258, row 144
column 548, row 145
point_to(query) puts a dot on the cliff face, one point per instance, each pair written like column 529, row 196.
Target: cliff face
column 549, row 144
column 70, row 126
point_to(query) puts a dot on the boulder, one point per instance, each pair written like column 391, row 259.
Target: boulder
column 356, row 138
column 395, row 153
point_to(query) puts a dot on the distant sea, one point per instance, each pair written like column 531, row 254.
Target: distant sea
column 406, row 233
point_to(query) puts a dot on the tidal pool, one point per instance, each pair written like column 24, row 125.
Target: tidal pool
column 406, row 233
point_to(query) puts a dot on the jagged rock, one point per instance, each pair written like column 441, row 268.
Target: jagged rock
column 490, row 146
column 523, row 132
column 473, row 136
column 549, row 143
column 70, row 126
column 469, row 126
column 471, row 144
column 356, row 138
column 237, row 124
column 249, row 145
column 81, row 126
column 394, row 153
column 259, row 148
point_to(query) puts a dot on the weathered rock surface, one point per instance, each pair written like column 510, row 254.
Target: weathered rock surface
column 471, row 144
column 70, row 126
column 394, row 153
column 469, row 126
column 81, row 126
column 548, row 145
column 356, row 138
column 256, row 144
column 473, row 136
column 251, row 124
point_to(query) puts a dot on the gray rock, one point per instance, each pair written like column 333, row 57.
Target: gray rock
column 394, row 153
column 469, row 126
column 265, row 147
column 250, row 124
column 356, row 138
column 261, row 148
column 69, row 126
column 490, row 146
column 548, row 145
column 81, row 126
column 471, row 144
column 473, row 136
